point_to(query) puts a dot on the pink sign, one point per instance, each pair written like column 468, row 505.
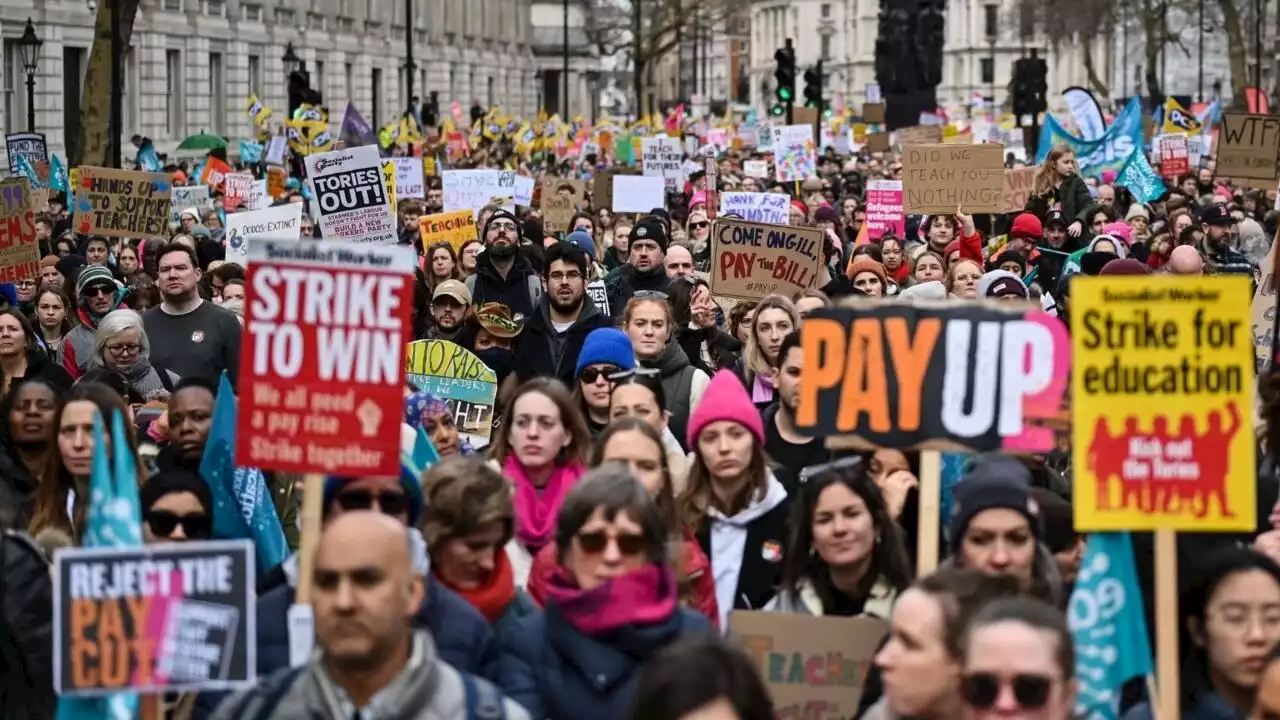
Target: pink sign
column 884, row 209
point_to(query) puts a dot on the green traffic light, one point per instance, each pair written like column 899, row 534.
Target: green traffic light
column 785, row 94
column 776, row 111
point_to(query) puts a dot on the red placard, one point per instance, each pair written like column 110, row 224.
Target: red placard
column 322, row 361
column 1174, row 159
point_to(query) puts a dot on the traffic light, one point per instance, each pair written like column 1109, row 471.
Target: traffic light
column 785, row 74
column 777, row 110
column 813, row 87
column 1030, row 86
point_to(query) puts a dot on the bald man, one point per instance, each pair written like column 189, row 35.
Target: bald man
column 679, row 262
column 366, row 595
column 1185, row 260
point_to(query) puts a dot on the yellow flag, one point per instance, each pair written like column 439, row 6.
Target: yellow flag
column 258, row 112
column 389, row 181
column 1178, row 120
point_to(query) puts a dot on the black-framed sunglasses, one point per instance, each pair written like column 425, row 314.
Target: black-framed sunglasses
column 845, row 463
column 981, row 690
column 390, row 502
column 590, row 375
column 594, row 543
column 194, row 527
column 700, row 225
column 634, row 372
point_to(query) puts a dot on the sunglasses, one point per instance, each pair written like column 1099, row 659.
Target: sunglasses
column 590, row 375
column 700, row 225
column 195, row 527
column 389, row 503
column 981, row 690
column 97, row 290
column 594, row 543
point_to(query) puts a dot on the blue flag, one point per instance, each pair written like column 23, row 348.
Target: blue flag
column 58, row 179
column 1108, row 626
column 114, row 519
column 242, row 507
column 356, row 131
column 250, row 151
column 1138, row 176
column 424, row 451
column 27, row 171
column 148, row 159
column 1108, row 152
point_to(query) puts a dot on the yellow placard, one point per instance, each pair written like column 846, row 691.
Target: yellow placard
column 1162, row 403
column 455, row 228
column 389, row 182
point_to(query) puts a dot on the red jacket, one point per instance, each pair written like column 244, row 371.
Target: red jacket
column 695, row 570
column 971, row 249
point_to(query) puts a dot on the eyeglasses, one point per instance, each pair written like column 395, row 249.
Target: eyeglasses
column 594, row 543
column 844, row 463
column 981, row 690
column 1237, row 619
column 502, row 225
column 389, row 502
column 571, row 276
column 649, row 294
column 634, row 372
column 96, row 290
column 124, row 348
column 590, row 375
column 164, row 522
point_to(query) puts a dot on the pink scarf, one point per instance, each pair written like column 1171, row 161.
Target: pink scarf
column 536, row 509
column 642, row 597
column 762, row 389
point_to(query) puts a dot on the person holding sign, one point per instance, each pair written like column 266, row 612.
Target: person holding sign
column 611, row 606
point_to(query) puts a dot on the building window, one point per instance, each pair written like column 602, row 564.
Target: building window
column 173, row 87
column 284, row 16
column 348, row 80
column 322, row 86
column 252, row 12
column 990, row 20
column 346, row 26
column 175, row 5
column 315, row 21
column 376, row 81
column 826, row 47
column 826, row 11
column 255, row 75
column 216, row 8
column 15, row 91
column 988, row 67
column 217, row 93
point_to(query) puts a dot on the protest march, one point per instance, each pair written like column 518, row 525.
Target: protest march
column 680, row 415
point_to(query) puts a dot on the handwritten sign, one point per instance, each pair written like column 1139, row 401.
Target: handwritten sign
column 941, row 178
column 559, row 200
column 473, row 189
column 919, row 135
column 770, row 208
column 756, row 168
column 1264, row 312
column 121, row 203
column 409, row 178
column 662, row 156
column 455, row 228
column 282, row 222
column 815, row 667
column 795, row 153
column 454, row 373
column 19, row 249
column 884, row 209
column 752, row 260
column 31, row 146
column 1248, row 146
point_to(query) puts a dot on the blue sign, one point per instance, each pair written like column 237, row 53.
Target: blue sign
column 1107, row 153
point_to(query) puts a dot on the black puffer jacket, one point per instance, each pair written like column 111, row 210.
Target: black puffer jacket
column 16, row 488
column 26, row 627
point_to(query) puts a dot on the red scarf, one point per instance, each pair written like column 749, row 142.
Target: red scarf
column 900, row 275
column 492, row 597
column 641, row 597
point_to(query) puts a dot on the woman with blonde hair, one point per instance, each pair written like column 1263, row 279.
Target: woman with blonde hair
column 1058, row 186
column 962, row 279
column 650, row 323
column 775, row 317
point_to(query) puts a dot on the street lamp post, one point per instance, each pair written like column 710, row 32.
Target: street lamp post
column 290, row 59
column 30, row 47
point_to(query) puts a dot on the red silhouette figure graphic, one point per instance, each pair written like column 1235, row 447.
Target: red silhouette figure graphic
column 1158, row 470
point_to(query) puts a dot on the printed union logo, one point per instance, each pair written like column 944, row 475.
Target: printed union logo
column 330, row 162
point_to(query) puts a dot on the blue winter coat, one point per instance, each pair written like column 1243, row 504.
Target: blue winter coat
column 558, row 673
column 462, row 636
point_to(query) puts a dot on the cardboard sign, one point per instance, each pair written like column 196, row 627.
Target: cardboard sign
column 919, row 135
column 878, row 142
column 321, row 371
column 280, row 223
column 454, row 373
column 19, row 249
column 873, row 112
column 409, row 177
column 455, row 228
column 756, row 169
column 121, row 203
column 941, row 178
column 795, row 154
column 752, row 260
column 768, row 208
column 599, row 295
column 473, row 189
column 1248, row 146
column 815, row 667
column 195, row 197
column 559, row 200
column 884, row 209
column 602, row 186
column 175, row 616
column 662, row 156
column 1175, row 159
column 898, row 375
column 1264, row 312
column 637, row 194
column 236, row 190
column 1017, row 188
column 1162, row 396
column 351, row 197
column 276, row 179
column 31, row 146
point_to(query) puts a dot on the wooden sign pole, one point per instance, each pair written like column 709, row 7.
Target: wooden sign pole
column 1167, row 664
column 929, row 524
column 312, row 508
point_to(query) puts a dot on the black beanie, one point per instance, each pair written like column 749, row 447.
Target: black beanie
column 997, row 481
column 650, row 228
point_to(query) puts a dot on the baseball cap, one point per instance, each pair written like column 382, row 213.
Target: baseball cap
column 1216, row 215
column 1055, row 217
column 454, row 289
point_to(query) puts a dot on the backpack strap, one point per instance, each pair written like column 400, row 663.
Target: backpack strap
column 484, row 702
column 470, row 282
column 264, row 698
column 166, row 382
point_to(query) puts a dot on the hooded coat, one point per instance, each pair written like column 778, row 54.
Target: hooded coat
column 521, row 287
column 542, row 351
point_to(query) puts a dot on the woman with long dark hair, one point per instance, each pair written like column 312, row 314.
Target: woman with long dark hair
column 26, row 415
column 22, row 357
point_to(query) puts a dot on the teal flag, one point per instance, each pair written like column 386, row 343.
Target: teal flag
column 1140, row 178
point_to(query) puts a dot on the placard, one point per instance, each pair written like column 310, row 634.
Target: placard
column 795, row 155
column 282, row 222
column 756, row 168
column 1162, row 397
column 884, row 209
column 919, row 135
column 873, row 112
column 769, row 208
column 752, row 260
column 454, row 374
column 473, row 189
column 1248, row 146
column 321, row 371
column 941, row 178
column 409, row 177
column 173, row 616
column 455, row 228
column 19, row 249
column 558, row 201
column 276, row 148
column 236, row 190
column 661, row 156
column 276, row 182
column 878, row 142
column 815, row 667
column 599, row 295
column 195, row 197
column 1264, row 311
column 1017, row 188
column 936, row 376
column 351, row 196
column 121, row 203
column 258, row 197
column 1175, row 157
column 637, row 194
column 602, row 185
column 31, row 146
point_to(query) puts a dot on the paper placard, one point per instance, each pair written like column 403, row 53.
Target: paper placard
column 1017, row 188
column 235, row 190
column 769, row 208
column 19, row 249
column 282, row 222
column 473, row 189
column 884, row 209
column 1248, row 146
column 796, row 155
column 1175, row 160
column 756, row 169
column 352, row 197
column 662, row 157
column 195, row 197
column 276, row 148
column 454, row 374
column 455, row 228
column 599, row 295
column 637, row 193
column 602, row 185
column 409, row 179
column 752, row 260
column 523, row 190
column 919, row 135
column 942, row 178
column 31, row 146
column 121, row 203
